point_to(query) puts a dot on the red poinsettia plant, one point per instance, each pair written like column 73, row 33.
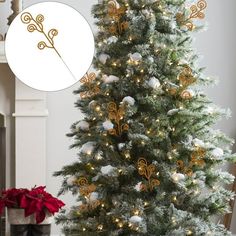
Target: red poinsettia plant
column 35, row 201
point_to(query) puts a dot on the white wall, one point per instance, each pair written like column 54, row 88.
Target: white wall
column 219, row 50
column 5, row 11
column 217, row 45
column 7, row 106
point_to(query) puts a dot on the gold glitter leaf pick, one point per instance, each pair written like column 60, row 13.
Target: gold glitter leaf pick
column 116, row 13
column 147, row 171
column 93, row 89
column 37, row 25
column 117, row 115
column 186, row 77
column 196, row 13
column 86, row 190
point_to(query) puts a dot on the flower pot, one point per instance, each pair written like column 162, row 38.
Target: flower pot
column 19, row 230
column 17, row 217
column 47, row 221
column 19, row 224
column 42, row 229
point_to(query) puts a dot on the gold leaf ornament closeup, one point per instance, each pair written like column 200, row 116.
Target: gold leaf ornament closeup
column 116, row 13
column 93, row 89
column 197, row 159
column 196, row 13
column 149, row 172
column 186, row 77
column 36, row 24
column 86, row 189
column 116, row 115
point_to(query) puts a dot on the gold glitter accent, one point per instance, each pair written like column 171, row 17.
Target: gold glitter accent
column 148, row 171
column 196, row 13
column 37, row 25
column 87, row 80
column 186, row 77
column 197, row 159
column 85, row 190
column 116, row 13
column 117, row 115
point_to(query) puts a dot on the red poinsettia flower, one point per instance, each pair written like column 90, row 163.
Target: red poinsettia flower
column 2, row 206
column 35, row 201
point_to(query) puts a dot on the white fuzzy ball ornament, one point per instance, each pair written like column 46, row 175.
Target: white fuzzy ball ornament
column 217, row 152
column 110, row 79
column 138, row 186
column 177, row 177
column 136, row 57
column 112, row 39
column 128, row 100
column 103, row 58
column 199, row 143
column 107, row 170
column 136, row 219
column 88, row 147
column 108, row 125
column 71, row 180
column 83, row 125
column 93, row 196
column 154, row 83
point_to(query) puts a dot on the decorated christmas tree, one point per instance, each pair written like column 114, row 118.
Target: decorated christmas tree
column 148, row 158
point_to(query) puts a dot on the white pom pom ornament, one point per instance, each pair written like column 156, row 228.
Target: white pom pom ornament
column 154, row 83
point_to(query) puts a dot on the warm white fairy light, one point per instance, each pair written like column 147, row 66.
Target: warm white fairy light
column 89, row 152
column 120, row 225
column 189, row 232
column 127, row 155
column 174, row 198
column 173, row 220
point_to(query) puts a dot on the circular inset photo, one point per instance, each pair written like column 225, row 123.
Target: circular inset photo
column 49, row 46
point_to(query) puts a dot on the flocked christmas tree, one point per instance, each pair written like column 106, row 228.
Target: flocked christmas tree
column 148, row 157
